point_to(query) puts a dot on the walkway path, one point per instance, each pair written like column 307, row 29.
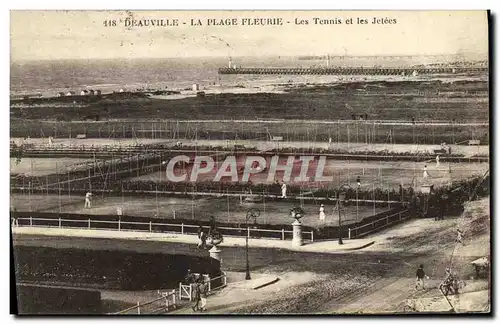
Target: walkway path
column 322, row 246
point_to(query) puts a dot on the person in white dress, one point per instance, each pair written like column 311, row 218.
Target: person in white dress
column 283, row 190
column 88, row 200
column 322, row 214
column 426, row 174
column 437, row 161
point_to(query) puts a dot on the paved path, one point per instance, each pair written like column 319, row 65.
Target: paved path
column 322, row 247
column 262, row 145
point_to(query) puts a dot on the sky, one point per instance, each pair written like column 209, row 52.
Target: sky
column 53, row 35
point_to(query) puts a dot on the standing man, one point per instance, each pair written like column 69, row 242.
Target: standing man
column 202, row 239
column 358, row 181
column 88, row 200
column 450, row 283
column 322, row 214
column 283, row 190
column 203, row 293
column 420, row 277
column 426, row 174
column 195, row 286
column 249, row 186
column 188, row 279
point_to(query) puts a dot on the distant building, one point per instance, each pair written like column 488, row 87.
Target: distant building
column 97, row 92
column 61, row 94
column 84, row 93
column 91, row 92
column 71, row 93
column 196, row 87
column 122, row 90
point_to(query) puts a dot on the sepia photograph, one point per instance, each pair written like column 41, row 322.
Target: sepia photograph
column 199, row 163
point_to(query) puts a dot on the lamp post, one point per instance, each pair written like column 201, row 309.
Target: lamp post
column 251, row 213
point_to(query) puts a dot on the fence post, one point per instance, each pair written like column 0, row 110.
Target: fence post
column 248, row 232
column 182, row 228
column 349, row 233
column 60, row 222
column 138, row 308
column 89, row 223
column 283, row 234
column 312, row 236
column 173, row 297
column 150, row 226
column 399, row 215
column 31, row 221
column 387, row 220
column 119, row 224
column 180, row 290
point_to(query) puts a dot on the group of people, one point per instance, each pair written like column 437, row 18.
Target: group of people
column 450, row 282
column 199, row 290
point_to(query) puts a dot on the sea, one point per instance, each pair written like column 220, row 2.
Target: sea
column 47, row 78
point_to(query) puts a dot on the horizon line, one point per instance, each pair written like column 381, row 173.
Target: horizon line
column 319, row 56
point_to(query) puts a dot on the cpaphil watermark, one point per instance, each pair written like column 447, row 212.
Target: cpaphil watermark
column 252, row 165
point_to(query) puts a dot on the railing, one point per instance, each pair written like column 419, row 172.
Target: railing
column 152, row 227
column 164, row 303
column 186, row 290
column 378, row 224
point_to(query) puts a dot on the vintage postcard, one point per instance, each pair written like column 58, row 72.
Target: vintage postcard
column 250, row 162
